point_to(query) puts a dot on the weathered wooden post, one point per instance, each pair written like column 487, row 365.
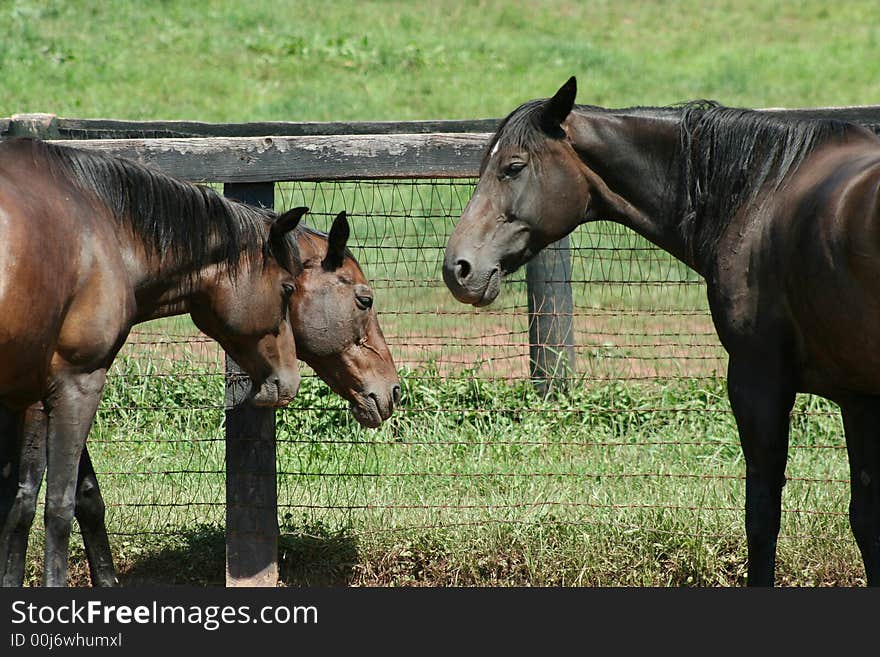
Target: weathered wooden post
column 251, row 486
column 43, row 126
column 551, row 309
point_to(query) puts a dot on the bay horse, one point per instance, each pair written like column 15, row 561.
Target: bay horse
column 335, row 325
column 337, row 333
column 779, row 215
column 91, row 245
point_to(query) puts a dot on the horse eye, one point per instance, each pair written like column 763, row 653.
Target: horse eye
column 364, row 301
column 512, row 169
column 287, row 289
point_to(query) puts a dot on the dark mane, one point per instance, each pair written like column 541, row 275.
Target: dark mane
column 520, row 128
column 730, row 156
column 175, row 219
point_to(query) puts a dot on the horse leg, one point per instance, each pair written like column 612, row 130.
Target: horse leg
column 761, row 399
column 861, row 420
column 89, row 503
column 30, row 463
column 10, row 428
column 89, row 509
column 71, row 408
column 89, row 514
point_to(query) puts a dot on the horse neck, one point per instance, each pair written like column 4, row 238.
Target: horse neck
column 633, row 163
column 164, row 288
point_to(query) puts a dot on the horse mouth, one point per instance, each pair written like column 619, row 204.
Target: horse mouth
column 368, row 412
column 272, row 395
column 490, row 292
column 263, row 401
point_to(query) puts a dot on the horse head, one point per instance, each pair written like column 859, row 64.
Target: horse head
column 336, row 329
column 532, row 191
column 247, row 313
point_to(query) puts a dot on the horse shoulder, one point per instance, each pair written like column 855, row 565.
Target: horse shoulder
column 101, row 308
column 824, row 260
column 859, row 210
column 829, row 219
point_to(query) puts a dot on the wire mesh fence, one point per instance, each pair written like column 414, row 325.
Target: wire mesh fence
column 640, row 449
column 630, row 474
column 636, row 461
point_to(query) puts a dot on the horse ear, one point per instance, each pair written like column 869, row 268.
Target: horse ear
column 557, row 108
column 286, row 254
column 336, row 242
column 286, row 222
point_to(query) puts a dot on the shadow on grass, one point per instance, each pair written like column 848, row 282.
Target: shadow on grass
column 312, row 555
column 308, row 555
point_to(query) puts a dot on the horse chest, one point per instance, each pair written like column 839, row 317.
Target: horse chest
column 737, row 317
column 740, row 294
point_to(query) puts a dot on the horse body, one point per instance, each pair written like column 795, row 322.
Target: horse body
column 831, row 274
column 788, row 275
column 779, row 216
column 75, row 279
column 89, row 245
column 70, row 315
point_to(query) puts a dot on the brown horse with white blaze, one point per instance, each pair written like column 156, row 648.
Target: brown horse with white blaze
column 89, row 246
column 779, row 214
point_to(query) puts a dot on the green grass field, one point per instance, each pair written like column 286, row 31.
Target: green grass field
column 312, row 60
column 632, row 477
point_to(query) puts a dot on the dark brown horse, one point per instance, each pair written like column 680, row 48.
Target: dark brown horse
column 92, row 245
column 336, row 332
column 781, row 216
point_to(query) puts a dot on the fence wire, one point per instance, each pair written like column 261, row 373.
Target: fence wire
column 641, row 441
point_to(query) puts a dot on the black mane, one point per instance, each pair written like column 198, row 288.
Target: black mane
column 731, row 156
column 175, row 219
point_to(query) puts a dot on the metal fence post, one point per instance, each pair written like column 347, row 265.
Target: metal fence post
column 551, row 309
column 251, row 484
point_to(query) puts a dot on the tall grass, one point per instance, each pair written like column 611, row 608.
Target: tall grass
column 314, row 60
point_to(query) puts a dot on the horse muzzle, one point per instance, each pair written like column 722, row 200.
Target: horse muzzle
column 469, row 285
column 276, row 391
column 371, row 409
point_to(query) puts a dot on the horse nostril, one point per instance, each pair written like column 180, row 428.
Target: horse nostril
column 462, row 270
column 395, row 395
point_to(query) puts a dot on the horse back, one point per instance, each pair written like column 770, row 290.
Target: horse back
column 59, row 270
